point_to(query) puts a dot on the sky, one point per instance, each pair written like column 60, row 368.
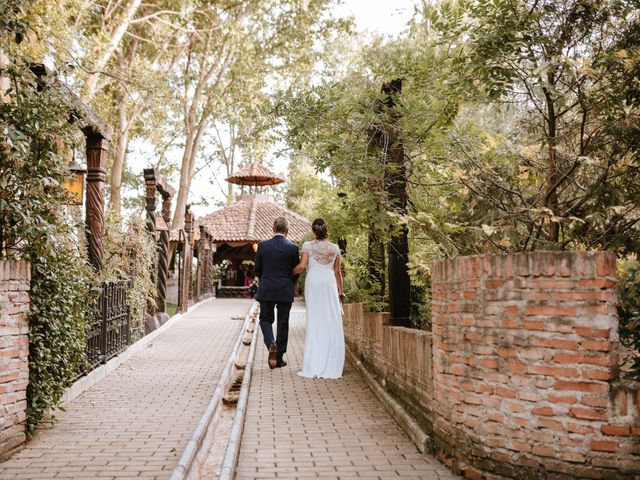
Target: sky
column 386, row 17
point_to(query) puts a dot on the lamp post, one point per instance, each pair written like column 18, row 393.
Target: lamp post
column 75, row 185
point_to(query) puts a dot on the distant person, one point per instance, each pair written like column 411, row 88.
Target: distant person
column 241, row 276
column 275, row 259
column 230, row 276
column 253, row 288
column 248, row 279
column 324, row 341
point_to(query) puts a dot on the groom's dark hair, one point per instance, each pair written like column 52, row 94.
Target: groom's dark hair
column 280, row 225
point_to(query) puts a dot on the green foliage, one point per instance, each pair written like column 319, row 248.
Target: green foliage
column 60, row 299
column 131, row 253
column 629, row 313
column 35, row 225
column 519, row 121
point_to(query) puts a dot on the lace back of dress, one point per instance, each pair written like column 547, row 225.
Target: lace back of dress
column 322, row 252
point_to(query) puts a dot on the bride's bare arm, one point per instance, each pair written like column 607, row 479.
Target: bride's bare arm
column 304, row 258
column 338, row 272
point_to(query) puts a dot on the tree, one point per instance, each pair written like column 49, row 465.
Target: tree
column 564, row 173
column 260, row 44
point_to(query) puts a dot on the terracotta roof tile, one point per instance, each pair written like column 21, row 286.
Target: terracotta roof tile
column 251, row 219
column 255, row 174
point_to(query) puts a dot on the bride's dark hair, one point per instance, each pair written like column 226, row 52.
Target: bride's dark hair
column 319, row 227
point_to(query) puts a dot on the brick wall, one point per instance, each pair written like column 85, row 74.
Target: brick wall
column 400, row 358
column 523, row 380
column 14, row 352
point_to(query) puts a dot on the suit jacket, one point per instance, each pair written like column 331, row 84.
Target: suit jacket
column 275, row 260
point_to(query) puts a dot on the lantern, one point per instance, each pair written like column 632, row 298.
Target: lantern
column 75, row 185
column 255, row 247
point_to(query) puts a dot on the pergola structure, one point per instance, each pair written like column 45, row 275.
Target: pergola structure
column 237, row 229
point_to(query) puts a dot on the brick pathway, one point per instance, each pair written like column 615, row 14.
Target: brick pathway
column 136, row 422
column 304, row 428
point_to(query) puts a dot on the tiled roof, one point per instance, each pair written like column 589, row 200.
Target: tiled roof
column 255, row 175
column 251, row 219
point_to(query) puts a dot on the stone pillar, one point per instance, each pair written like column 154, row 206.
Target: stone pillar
column 97, row 148
column 15, row 277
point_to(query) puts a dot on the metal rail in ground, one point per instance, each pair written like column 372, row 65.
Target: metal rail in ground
column 197, row 449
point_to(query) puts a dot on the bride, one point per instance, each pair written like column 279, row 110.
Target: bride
column 324, row 341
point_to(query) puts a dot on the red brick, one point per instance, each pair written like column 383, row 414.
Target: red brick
column 598, row 373
column 574, row 457
column 494, row 284
column 515, row 367
column 552, row 284
column 489, row 363
column 602, row 284
column 581, row 386
column 588, row 414
column 553, row 371
column 543, row 451
column 511, row 309
column 551, row 424
column 520, row 446
column 533, row 324
column 555, row 343
column 595, row 401
column 602, row 360
column 509, row 323
column 501, row 456
column 617, row 430
column 604, row 446
column 505, row 392
column 568, row 399
column 577, row 428
column 556, row 311
column 602, row 346
column 543, row 411
column 507, row 352
column 593, row 332
column 472, row 474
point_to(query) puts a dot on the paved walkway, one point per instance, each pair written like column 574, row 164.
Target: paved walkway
column 304, row 428
column 137, row 421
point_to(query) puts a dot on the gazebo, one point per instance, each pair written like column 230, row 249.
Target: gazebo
column 237, row 228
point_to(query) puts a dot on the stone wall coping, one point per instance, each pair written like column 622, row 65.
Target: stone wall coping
column 15, row 270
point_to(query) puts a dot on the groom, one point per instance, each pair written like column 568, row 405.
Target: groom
column 275, row 260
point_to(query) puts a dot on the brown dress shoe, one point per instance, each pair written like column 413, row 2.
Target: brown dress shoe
column 281, row 364
column 273, row 356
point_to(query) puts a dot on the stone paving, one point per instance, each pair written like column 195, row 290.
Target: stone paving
column 136, row 422
column 299, row 428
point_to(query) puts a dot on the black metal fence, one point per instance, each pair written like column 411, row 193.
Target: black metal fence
column 110, row 331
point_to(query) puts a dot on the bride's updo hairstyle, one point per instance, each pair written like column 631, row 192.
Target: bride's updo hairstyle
column 319, row 227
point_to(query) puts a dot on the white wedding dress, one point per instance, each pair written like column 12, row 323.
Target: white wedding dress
column 324, row 341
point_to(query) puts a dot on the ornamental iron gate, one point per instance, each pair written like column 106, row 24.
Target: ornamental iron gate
column 109, row 332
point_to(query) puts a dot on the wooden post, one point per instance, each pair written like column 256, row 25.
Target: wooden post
column 188, row 258
column 150, row 196
column 97, row 148
column 396, row 186
column 163, row 253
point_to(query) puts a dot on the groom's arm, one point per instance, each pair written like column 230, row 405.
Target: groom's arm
column 257, row 268
column 296, row 261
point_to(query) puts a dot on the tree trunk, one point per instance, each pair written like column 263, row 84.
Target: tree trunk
column 376, row 264
column 396, row 186
column 551, row 196
column 5, row 83
column 91, row 84
column 119, row 160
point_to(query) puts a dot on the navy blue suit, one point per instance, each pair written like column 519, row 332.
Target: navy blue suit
column 275, row 260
